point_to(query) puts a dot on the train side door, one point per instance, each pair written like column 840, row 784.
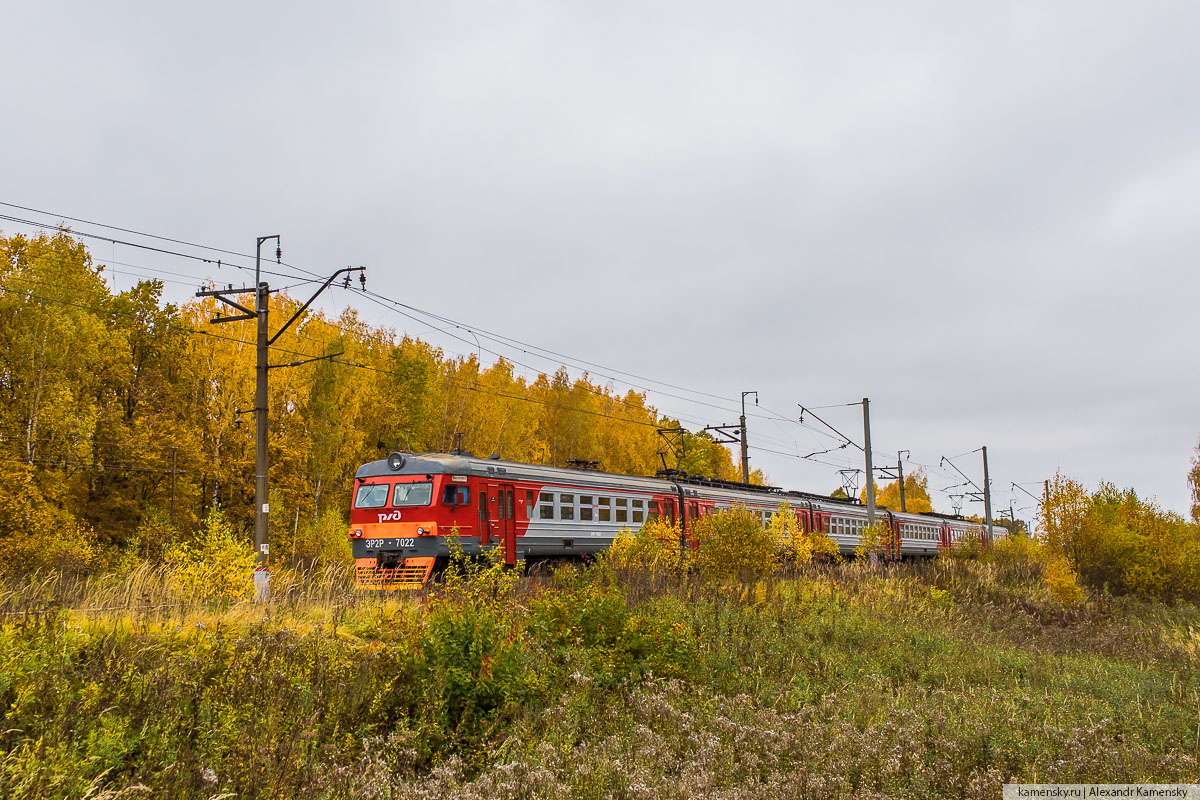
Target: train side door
column 506, row 512
column 485, row 516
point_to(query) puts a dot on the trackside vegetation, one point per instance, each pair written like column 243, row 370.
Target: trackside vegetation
column 936, row 679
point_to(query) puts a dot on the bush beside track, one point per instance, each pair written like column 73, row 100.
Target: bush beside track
column 940, row 679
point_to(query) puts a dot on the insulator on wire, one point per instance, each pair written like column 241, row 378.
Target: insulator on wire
column 278, row 254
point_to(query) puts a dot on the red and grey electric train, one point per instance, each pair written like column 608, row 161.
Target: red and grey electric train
column 407, row 508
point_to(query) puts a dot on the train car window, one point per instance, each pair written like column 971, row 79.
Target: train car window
column 371, row 495
column 566, row 506
column 585, row 507
column 652, row 512
column 413, row 494
column 604, row 512
column 622, row 510
column 529, row 505
column 546, row 506
column 500, row 505
column 637, row 511
column 511, row 501
column 692, row 511
column 483, row 517
column 456, row 496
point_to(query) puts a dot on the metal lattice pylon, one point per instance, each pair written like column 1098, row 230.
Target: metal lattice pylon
column 850, row 481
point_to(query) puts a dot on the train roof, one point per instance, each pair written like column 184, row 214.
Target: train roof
column 463, row 464
column 451, row 464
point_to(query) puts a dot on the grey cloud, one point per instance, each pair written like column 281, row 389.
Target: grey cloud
column 981, row 217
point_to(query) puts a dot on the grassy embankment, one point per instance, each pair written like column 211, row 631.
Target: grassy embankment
column 930, row 680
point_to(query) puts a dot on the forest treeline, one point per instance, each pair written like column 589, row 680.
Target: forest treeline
column 124, row 419
column 125, row 432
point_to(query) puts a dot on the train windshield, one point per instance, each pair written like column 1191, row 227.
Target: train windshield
column 371, row 495
column 413, row 494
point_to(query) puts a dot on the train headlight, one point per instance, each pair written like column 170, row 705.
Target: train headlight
column 357, row 534
column 420, row 531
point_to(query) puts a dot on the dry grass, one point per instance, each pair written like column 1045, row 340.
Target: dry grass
column 939, row 679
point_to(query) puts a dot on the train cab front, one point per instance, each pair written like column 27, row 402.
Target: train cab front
column 399, row 519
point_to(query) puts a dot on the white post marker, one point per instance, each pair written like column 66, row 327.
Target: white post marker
column 262, row 584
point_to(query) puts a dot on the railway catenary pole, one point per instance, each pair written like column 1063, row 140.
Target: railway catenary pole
column 264, row 340
column 262, row 506
column 900, row 474
column 866, row 404
column 745, row 444
column 987, row 496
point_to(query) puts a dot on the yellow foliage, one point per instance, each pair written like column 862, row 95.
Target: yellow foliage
column 1014, row 550
column 655, row 547
column 877, row 539
column 56, row 542
column 217, row 565
column 784, row 529
column 1064, row 515
column 316, row 541
column 154, row 535
column 824, row 548
column 1062, row 581
column 1117, row 542
column 796, row 546
column 732, row 544
column 916, row 494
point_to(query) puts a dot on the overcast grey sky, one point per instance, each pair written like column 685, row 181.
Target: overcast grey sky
column 983, row 217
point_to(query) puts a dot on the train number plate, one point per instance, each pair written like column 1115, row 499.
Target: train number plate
column 389, row 544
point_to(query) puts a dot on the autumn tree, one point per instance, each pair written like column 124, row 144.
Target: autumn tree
column 123, row 418
column 1120, row 543
column 1194, row 483
column 916, row 494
